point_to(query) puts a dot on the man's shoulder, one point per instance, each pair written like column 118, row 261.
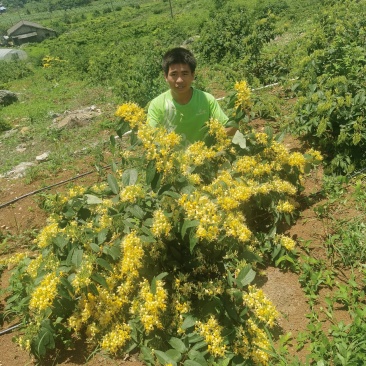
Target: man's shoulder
column 200, row 94
column 163, row 96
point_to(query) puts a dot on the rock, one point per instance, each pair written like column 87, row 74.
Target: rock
column 9, row 133
column 18, row 172
column 77, row 118
column 43, row 157
column 7, row 97
column 21, row 148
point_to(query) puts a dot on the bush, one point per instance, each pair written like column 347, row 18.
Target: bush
column 330, row 112
column 4, row 125
column 161, row 256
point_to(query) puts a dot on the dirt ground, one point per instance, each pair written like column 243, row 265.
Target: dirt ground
column 282, row 288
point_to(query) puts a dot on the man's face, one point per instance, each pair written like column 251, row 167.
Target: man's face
column 179, row 78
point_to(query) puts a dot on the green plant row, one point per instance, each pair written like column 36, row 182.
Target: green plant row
column 330, row 112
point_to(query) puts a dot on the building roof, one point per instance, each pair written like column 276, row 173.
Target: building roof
column 29, row 24
column 25, row 35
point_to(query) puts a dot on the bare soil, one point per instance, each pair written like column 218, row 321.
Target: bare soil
column 282, row 287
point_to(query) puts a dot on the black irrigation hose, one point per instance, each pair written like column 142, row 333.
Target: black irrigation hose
column 48, row 187
column 93, row 171
column 4, row 331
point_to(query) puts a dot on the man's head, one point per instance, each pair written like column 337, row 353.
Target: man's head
column 178, row 55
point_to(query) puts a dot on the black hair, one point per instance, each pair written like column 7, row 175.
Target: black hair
column 179, row 55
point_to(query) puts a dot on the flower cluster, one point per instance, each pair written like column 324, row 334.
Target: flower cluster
column 116, row 338
column 49, row 61
column 151, row 305
column 285, row 206
column 132, row 113
column 161, row 225
column 243, row 93
column 285, row 241
column 132, row 255
column 199, row 207
column 211, row 332
column 132, row 193
column 262, row 308
column 45, row 293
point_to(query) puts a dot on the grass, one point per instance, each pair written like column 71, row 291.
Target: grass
column 39, row 102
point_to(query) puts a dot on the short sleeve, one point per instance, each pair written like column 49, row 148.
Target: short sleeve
column 216, row 112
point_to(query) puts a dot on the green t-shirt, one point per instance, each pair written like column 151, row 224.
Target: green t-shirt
column 188, row 119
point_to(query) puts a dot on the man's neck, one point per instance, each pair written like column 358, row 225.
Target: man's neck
column 183, row 98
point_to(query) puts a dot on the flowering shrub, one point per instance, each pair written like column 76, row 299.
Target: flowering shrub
column 160, row 258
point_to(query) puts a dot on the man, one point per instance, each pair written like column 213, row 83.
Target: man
column 182, row 108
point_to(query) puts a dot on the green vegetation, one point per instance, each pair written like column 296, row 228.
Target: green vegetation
column 179, row 289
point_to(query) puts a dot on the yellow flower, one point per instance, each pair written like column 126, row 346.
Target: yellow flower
column 132, row 113
column 234, row 225
column 132, row 193
column 285, row 206
column 261, row 138
column 116, row 338
column 211, row 332
column 316, row 155
column 47, row 234
column 161, row 225
column 43, row 296
column 262, row 307
column 285, row 241
column 242, row 95
column 260, row 344
column 150, row 305
column 131, row 260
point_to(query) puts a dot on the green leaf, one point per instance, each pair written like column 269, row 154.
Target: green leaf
column 93, row 200
column 161, row 275
column 60, row 241
column 163, row 358
column 129, row 177
column 287, row 218
column 155, row 183
column 177, row 344
column 246, row 276
column 240, row 140
column 77, row 257
column 193, row 240
column 284, row 258
column 45, row 339
column 172, row 194
column 102, row 236
column 192, row 363
column 114, row 251
column 146, row 352
column 269, row 131
column 123, row 128
column 174, row 354
column 194, row 338
column 197, row 357
column 112, row 140
column 99, row 279
column 153, row 286
column 188, row 322
column 150, row 171
column 113, row 184
column 94, row 247
column 103, row 263
column 188, row 224
column 199, row 345
column 137, row 211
